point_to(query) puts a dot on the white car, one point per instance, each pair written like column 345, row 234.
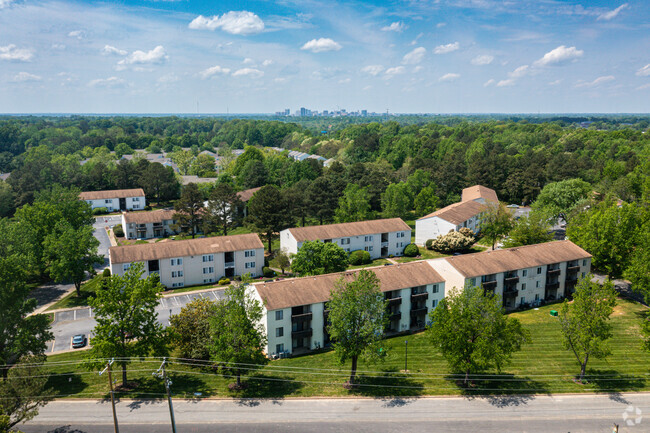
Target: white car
column 513, row 206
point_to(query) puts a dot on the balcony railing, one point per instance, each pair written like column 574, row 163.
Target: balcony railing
column 552, row 286
column 384, row 244
column 514, row 279
column 420, row 296
column 394, row 301
column 551, row 272
column 573, row 267
column 418, row 311
column 229, row 264
column 301, row 317
column 509, row 293
column 489, row 285
column 302, row 334
column 395, row 316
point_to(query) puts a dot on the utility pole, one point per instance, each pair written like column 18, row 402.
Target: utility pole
column 110, row 382
column 406, row 356
column 163, row 375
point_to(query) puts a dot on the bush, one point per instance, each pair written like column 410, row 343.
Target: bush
column 429, row 244
column 452, row 242
column 224, row 281
column 268, row 272
column 147, row 207
column 118, row 231
column 100, row 211
column 466, row 232
column 106, row 273
column 411, row 250
column 359, row 257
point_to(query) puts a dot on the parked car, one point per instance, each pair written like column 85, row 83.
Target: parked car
column 78, row 341
column 513, row 206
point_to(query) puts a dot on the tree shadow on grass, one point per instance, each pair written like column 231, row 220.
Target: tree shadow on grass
column 390, row 385
column 66, row 382
column 613, row 383
column 265, row 386
column 506, row 390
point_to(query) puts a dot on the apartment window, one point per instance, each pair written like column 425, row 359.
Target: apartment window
column 279, row 315
column 524, row 273
column 136, row 198
column 537, row 284
column 136, row 206
column 208, row 270
column 249, row 265
column 583, row 275
column 126, row 266
column 279, row 348
column 176, row 262
column 207, row 280
column 434, row 303
column 279, row 332
column 368, row 239
column 345, row 241
column 435, row 288
column 584, row 262
column 178, row 284
column 249, row 253
column 108, row 201
column 539, row 270
column 368, row 248
column 523, row 286
column 401, row 234
column 208, row 258
column 523, row 300
column 472, row 281
column 537, row 297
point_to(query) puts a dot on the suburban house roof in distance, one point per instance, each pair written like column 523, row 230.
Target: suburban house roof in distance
column 316, row 289
column 114, row 193
column 246, row 194
column 457, row 213
column 510, row 259
column 333, row 231
column 479, row 191
column 189, row 247
column 155, row 216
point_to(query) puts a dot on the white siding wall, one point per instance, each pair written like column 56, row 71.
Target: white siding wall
column 112, row 204
column 288, row 242
column 431, row 228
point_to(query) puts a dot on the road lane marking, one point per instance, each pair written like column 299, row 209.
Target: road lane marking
column 215, row 295
column 90, row 312
column 53, row 341
column 175, row 299
column 74, row 316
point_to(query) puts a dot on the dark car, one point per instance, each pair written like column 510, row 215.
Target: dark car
column 79, row 341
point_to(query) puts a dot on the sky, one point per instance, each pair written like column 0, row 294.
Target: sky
column 412, row 56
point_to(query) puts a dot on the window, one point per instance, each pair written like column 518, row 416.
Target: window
column 249, row 265
column 208, row 258
column 207, row 280
column 136, row 206
column 178, row 284
column 434, row 303
column 583, row 275
column 523, row 286
column 279, row 348
column 136, row 198
column 368, row 239
column 279, row 315
column 176, row 262
column 537, row 284
column 345, row 241
column 435, row 288
column 208, row 270
column 524, row 273
column 523, row 300
column 401, row 234
column 279, row 332
column 368, row 248
column 249, row 253
column 537, row 297
column 539, row 270
column 108, row 201
column 472, row 281
column 126, row 266
column 584, row 262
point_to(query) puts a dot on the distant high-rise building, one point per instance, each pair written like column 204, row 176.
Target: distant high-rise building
column 364, row 113
column 287, row 111
column 303, row 111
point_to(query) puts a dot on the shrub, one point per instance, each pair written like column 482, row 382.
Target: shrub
column 411, row 250
column 147, row 207
column 452, row 242
column 359, row 257
column 118, row 231
column 224, row 281
column 429, row 244
column 268, row 272
column 100, row 211
column 106, row 273
column 466, row 232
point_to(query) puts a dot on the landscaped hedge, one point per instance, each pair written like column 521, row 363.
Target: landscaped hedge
column 268, row 272
column 411, row 250
column 224, row 281
column 359, row 257
column 118, row 231
column 100, row 210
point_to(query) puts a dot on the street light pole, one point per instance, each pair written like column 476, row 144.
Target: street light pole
column 110, row 382
column 163, row 374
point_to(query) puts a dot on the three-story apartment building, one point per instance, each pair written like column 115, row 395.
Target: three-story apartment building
column 146, row 225
column 114, row 200
column 193, row 261
column 380, row 238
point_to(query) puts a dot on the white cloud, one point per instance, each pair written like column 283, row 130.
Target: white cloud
column 11, row 52
column 79, row 34
column 25, row 76
column 613, row 13
column 344, row 80
column 417, row 69
column 444, row 49
column 645, row 86
column 555, row 83
column 504, row 83
column 519, row 72
column 320, row 45
column 233, row 22
column 397, row 26
column 59, row 47
column 644, row 71
column 484, row 59
column 440, row 25
column 372, row 69
column 596, row 82
column 107, row 82
column 248, row 72
column 267, row 62
column 248, row 61
column 5, row 3
column 488, row 82
column 169, row 78
column 449, row 77
column 414, row 57
column 108, row 49
column 155, row 56
column 214, row 70
column 391, row 72
column 559, row 56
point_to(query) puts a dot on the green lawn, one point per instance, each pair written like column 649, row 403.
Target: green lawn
column 376, row 262
column 72, row 300
column 543, row 366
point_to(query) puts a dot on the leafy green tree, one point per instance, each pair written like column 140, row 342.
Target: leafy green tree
column 6, row 200
column 562, row 199
column 123, row 149
column 296, row 198
column 189, row 209
column 203, row 166
column 23, row 390
column 70, row 253
column 221, row 212
column 453, row 241
column 426, row 201
column 238, row 337
column 316, row 258
column 357, row 316
column 267, row 213
column 323, row 197
column 419, row 180
column 354, row 204
column 609, row 233
column 282, row 259
column 638, row 270
column 496, row 222
column 252, row 174
column 585, row 321
column 397, row 201
column 159, row 183
column 183, row 160
column 190, row 329
column 472, row 333
column 529, row 230
column 127, row 324
column 251, row 153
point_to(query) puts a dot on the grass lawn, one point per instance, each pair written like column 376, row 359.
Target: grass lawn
column 72, row 300
column 543, row 366
column 376, row 262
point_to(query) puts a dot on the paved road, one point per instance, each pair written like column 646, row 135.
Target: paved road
column 562, row 413
column 81, row 321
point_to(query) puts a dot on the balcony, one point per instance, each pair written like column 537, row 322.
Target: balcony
column 229, row 264
column 511, row 279
column 572, row 267
column 394, row 301
column 418, row 311
column 553, row 286
column 301, row 317
column 395, row 316
column 419, row 297
column 302, row 334
column 384, row 244
column 552, row 272
column 157, row 225
column 510, row 293
column 489, row 285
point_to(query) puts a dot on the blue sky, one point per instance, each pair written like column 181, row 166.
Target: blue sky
column 417, row 56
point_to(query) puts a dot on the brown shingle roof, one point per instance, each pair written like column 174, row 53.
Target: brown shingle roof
column 115, row 193
column 190, row 247
column 247, row 194
column 312, row 290
column 341, row 230
column 156, row 216
column 479, row 191
column 529, row 256
column 458, row 213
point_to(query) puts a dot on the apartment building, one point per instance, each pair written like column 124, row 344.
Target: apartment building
column 114, row 200
column 147, row 225
column 520, row 275
column 380, row 238
column 466, row 213
column 296, row 311
column 193, row 261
